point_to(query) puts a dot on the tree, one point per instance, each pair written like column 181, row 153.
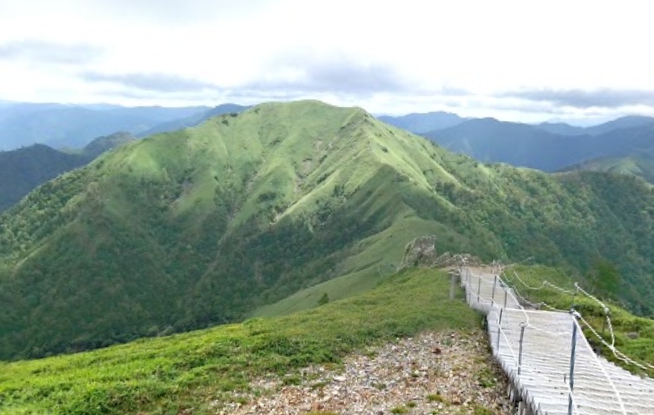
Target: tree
column 604, row 277
column 324, row 299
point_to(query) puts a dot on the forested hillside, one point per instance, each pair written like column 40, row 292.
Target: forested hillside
column 22, row 170
column 195, row 228
column 638, row 164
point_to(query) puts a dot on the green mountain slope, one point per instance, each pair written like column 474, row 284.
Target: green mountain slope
column 107, row 143
column 189, row 229
column 640, row 165
column 190, row 373
column 24, row 169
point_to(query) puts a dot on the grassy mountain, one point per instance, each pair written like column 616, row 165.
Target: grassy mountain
column 107, row 143
column 59, row 126
column 490, row 140
column 188, row 229
column 423, row 122
column 641, row 165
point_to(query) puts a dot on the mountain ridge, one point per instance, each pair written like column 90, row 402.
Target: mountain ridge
column 200, row 227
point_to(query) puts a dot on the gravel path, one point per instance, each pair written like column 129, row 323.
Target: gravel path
column 434, row 373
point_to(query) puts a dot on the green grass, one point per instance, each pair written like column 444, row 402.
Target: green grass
column 624, row 323
column 188, row 371
column 374, row 257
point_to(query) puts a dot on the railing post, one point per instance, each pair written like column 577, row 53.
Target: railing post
column 572, row 364
column 493, row 293
column 499, row 328
column 468, row 295
column 506, row 293
column 478, row 286
column 522, row 336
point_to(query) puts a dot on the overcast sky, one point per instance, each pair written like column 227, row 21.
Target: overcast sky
column 520, row 60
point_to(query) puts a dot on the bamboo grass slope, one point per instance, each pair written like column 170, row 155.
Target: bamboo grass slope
column 197, row 372
column 266, row 211
column 536, row 349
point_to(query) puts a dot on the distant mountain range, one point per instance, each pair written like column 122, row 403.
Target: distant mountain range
column 422, row 122
column 73, row 126
column 548, row 147
column 622, row 122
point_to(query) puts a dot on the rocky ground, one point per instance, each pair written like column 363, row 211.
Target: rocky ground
column 434, row 373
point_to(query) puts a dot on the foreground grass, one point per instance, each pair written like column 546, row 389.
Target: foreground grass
column 196, row 370
column 634, row 335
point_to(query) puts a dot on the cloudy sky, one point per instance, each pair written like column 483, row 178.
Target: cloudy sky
column 521, row 60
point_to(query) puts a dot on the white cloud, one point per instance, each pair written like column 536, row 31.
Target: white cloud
column 386, row 56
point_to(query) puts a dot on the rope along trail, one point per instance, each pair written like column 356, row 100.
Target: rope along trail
column 539, row 367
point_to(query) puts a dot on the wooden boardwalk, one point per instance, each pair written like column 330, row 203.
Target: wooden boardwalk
column 540, row 375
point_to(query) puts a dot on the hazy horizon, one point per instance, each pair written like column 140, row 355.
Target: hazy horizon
column 511, row 60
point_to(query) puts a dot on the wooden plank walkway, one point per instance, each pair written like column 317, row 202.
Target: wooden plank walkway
column 540, row 374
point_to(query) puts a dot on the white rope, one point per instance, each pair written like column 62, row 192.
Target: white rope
column 527, row 321
column 618, row 354
column 602, row 368
column 510, row 291
column 527, row 285
column 605, row 308
column 508, row 342
column 578, row 289
column 556, row 287
column 571, row 395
